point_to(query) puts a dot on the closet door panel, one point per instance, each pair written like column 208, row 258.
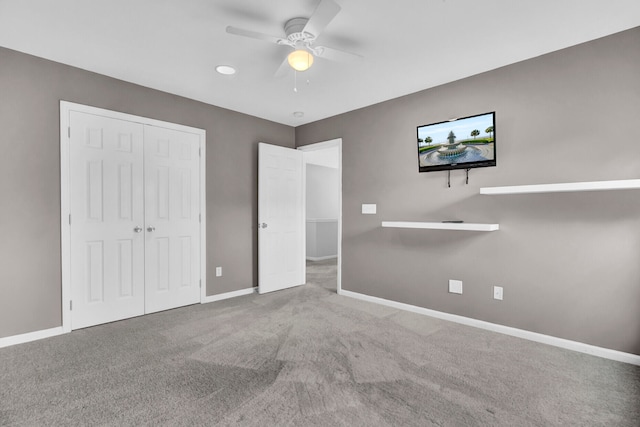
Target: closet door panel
column 172, row 217
column 106, row 205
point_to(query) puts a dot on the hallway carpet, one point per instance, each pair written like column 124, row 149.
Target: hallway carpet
column 307, row 357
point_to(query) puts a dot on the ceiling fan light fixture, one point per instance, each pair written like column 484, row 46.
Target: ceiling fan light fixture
column 300, row 60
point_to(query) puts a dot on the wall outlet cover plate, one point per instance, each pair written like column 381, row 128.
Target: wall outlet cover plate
column 455, row 286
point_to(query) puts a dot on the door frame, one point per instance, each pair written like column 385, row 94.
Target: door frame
column 65, row 230
column 323, row 146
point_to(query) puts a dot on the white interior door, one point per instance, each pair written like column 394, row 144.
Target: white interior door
column 281, row 250
column 172, row 218
column 107, row 216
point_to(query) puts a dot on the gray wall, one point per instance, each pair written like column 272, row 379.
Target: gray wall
column 30, row 91
column 322, row 210
column 322, row 239
column 569, row 263
column 322, row 192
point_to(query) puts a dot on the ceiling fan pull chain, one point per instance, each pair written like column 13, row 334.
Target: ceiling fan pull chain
column 295, row 81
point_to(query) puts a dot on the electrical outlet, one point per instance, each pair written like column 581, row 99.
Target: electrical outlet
column 455, row 286
column 218, row 271
column 497, row 292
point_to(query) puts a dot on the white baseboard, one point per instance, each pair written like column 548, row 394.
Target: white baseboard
column 30, row 336
column 227, row 295
column 507, row 330
column 321, row 258
column 46, row 333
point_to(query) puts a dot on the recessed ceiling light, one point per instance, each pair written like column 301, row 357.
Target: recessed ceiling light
column 298, row 114
column 227, row 70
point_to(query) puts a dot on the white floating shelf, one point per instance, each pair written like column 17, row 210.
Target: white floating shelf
column 625, row 184
column 463, row 226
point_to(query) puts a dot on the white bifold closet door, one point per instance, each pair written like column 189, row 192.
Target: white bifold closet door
column 172, row 210
column 107, row 204
column 134, row 233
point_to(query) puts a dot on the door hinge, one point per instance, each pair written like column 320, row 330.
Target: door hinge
column 69, row 219
column 69, row 131
column 199, row 151
column 70, row 305
column 199, row 217
column 200, row 283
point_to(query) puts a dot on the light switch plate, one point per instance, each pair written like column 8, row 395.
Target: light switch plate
column 369, row 208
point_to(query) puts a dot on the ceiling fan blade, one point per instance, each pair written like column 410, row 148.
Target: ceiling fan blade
column 336, row 55
column 282, row 69
column 253, row 35
column 324, row 13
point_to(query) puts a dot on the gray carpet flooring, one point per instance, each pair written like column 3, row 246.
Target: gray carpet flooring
column 307, row 357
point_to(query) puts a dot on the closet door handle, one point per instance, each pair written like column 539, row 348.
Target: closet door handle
column 151, row 228
column 138, row 229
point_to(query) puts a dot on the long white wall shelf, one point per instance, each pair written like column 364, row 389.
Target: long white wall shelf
column 625, row 184
column 462, row 226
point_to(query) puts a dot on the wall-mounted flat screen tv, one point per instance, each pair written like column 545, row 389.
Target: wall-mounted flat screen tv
column 467, row 142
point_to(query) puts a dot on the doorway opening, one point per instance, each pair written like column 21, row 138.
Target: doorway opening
column 323, row 213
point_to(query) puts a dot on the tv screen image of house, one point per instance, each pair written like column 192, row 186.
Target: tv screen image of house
column 467, row 142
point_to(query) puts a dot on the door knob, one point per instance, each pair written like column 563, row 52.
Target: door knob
column 263, row 225
column 138, row 229
column 151, row 228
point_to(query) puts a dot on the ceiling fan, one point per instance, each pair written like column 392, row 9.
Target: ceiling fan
column 301, row 34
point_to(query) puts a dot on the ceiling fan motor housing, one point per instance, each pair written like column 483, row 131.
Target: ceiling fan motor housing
column 293, row 28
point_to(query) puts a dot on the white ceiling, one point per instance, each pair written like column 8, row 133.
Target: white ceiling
column 408, row 45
